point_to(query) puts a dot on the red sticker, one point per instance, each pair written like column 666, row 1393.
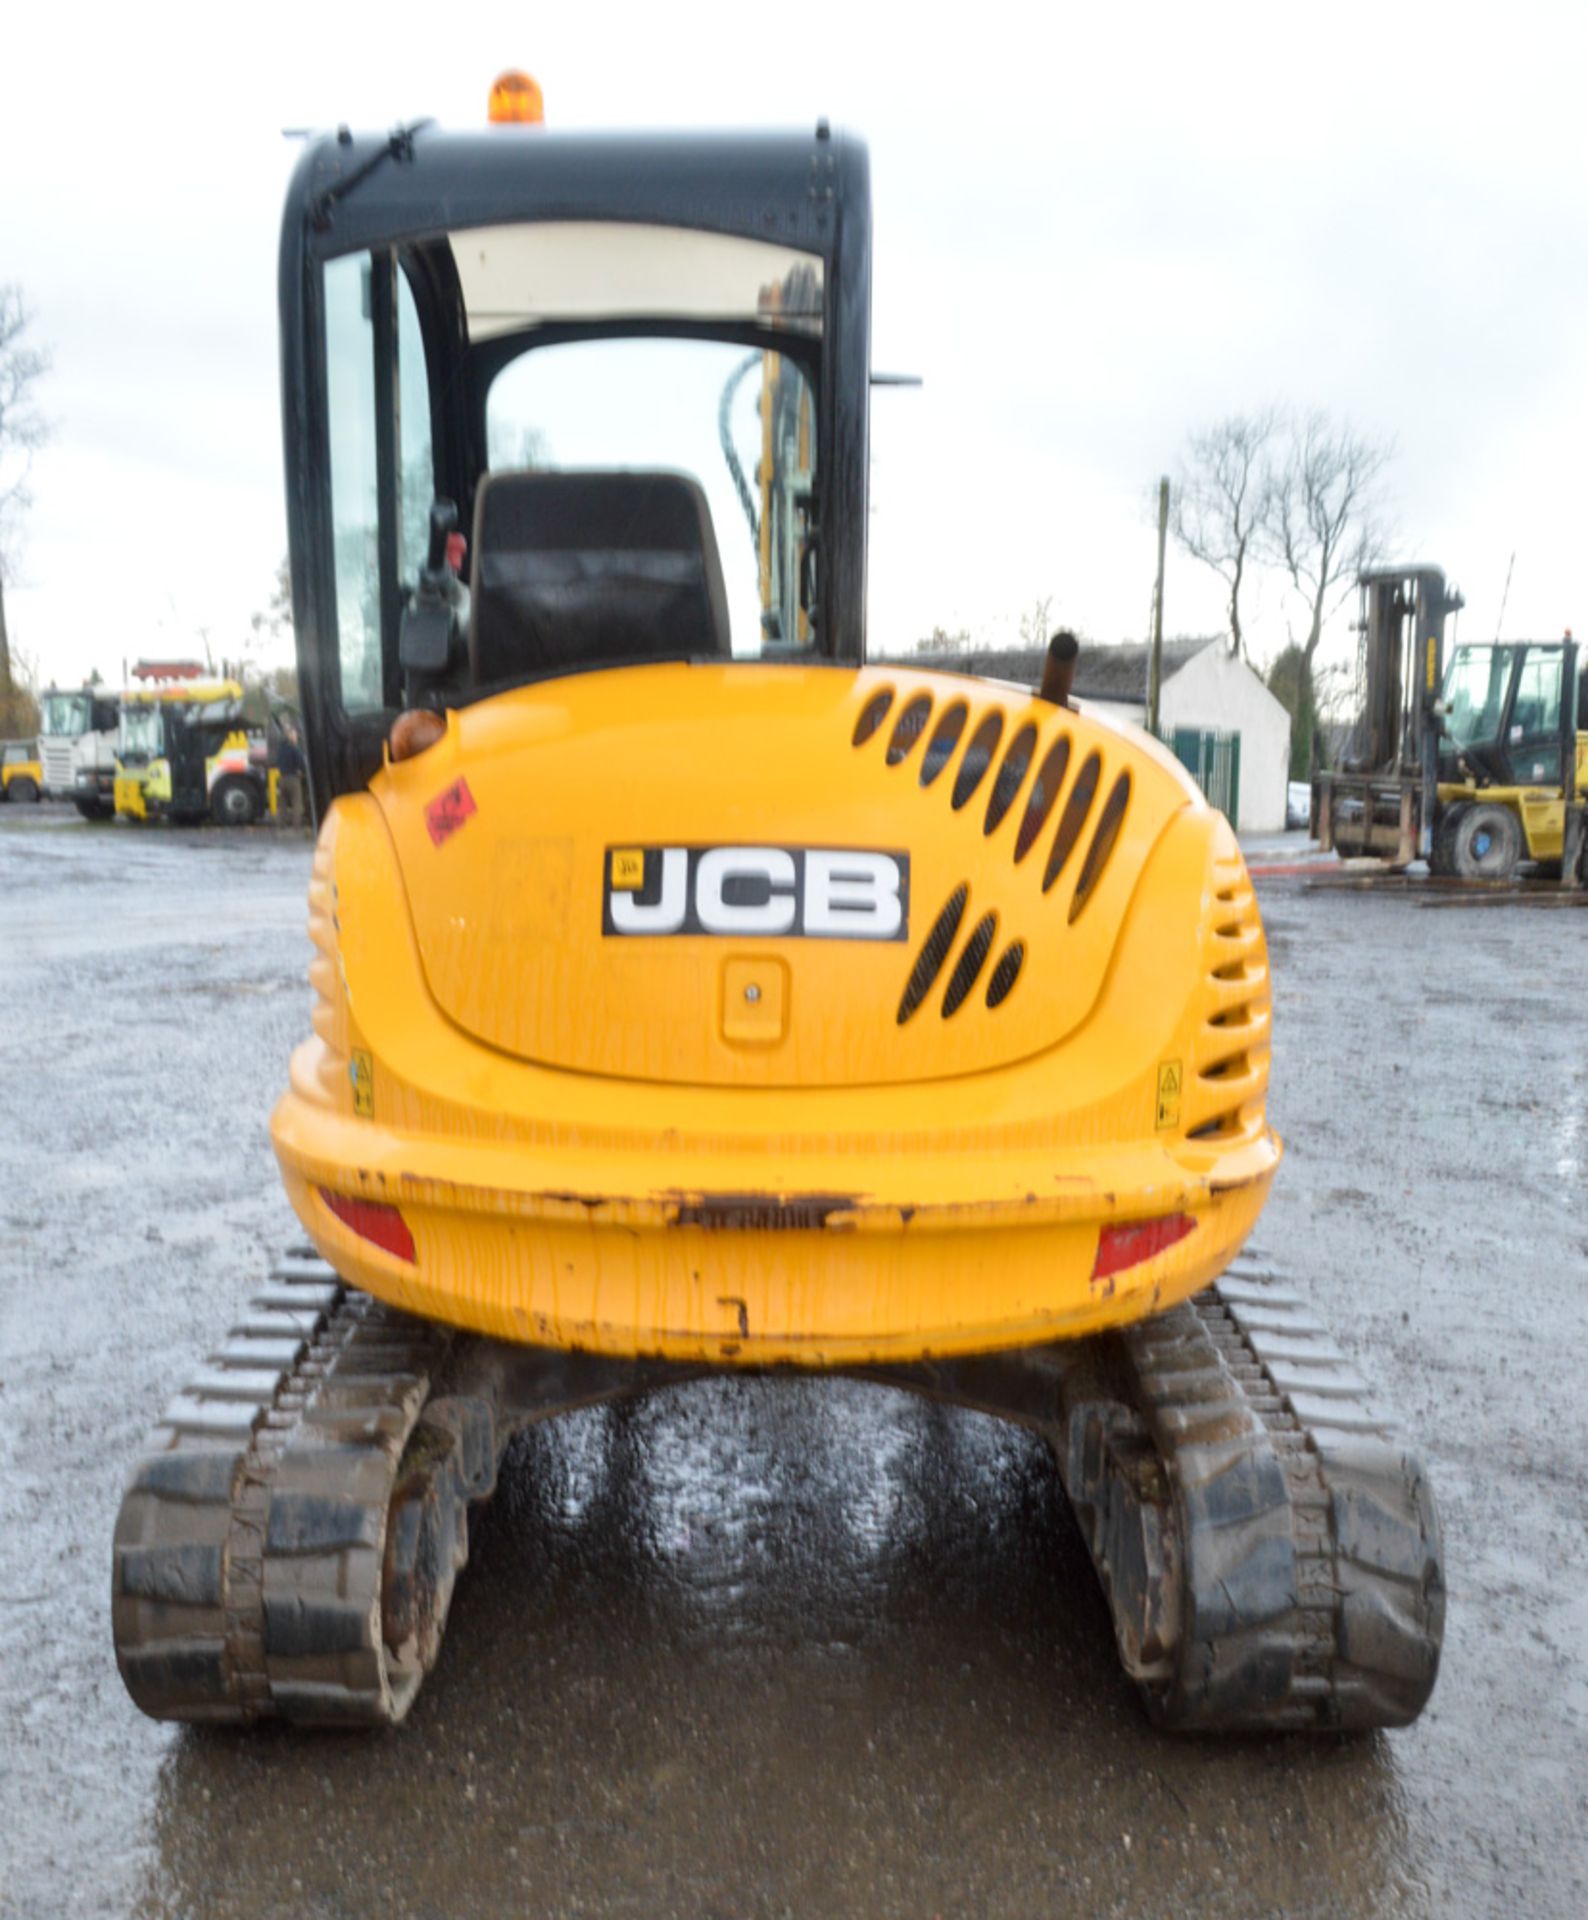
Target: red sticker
column 448, row 811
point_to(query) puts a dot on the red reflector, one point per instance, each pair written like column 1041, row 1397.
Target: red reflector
column 1137, row 1240
column 383, row 1226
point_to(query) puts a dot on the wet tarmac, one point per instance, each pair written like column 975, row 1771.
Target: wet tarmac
column 768, row 1648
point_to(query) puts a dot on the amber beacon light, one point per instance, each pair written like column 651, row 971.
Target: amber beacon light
column 516, row 100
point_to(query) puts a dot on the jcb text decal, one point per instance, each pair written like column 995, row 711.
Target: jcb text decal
column 818, row 893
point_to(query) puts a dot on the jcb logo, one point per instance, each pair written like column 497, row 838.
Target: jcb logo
column 820, row 893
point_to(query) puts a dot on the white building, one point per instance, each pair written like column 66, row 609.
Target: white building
column 1212, row 709
column 1204, row 690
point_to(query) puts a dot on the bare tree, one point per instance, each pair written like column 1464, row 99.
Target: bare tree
column 1036, row 623
column 1328, row 515
column 940, row 640
column 20, row 719
column 1223, row 501
column 1327, row 525
column 273, row 621
column 269, row 628
column 23, row 430
column 1319, row 701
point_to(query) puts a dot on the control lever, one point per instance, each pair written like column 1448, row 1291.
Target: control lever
column 437, row 617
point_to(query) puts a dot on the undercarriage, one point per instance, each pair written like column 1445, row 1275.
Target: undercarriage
column 1267, row 1541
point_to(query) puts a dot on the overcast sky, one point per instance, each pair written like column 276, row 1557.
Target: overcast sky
column 1094, row 230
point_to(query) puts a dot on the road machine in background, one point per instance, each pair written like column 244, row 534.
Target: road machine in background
column 1474, row 762
column 191, row 750
column 77, row 748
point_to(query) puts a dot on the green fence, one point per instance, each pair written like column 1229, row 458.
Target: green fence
column 1214, row 762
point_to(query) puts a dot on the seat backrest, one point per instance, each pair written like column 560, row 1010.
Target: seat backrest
column 581, row 567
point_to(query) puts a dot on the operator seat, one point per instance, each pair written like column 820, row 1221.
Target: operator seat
column 577, row 568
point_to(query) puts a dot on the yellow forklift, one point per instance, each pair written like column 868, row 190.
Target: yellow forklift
column 690, row 996
column 1474, row 764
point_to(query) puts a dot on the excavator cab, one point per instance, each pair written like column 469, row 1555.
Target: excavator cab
column 557, row 403
column 690, row 995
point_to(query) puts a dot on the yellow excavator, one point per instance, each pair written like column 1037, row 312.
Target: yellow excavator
column 691, row 996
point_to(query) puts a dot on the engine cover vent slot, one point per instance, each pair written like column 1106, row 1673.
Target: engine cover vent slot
column 945, row 738
column 967, row 970
column 1005, row 974
column 978, row 758
column 934, row 951
column 1109, row 822
column 1044, row 796
column 1226, row 1089
column 872, row 715
column 1010, row 776
column 1073, row 818
column 908, row 728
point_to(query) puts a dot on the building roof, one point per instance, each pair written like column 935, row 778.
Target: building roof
column 1022, row 664
column 1101, row 673
column 1120, row 673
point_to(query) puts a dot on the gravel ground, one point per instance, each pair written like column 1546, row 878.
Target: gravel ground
column 766, row 1648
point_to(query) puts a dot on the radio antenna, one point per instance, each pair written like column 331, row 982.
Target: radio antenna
column 1505, row 596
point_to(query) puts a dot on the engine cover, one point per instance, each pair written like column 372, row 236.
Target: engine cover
column 774, row 876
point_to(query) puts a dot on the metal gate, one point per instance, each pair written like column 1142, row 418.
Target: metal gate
column 1214, row 762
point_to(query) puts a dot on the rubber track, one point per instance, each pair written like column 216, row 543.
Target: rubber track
column 250, row 1544
column 1313, row 1585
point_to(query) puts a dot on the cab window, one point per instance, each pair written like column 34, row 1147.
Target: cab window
column 1475, row 688
column 1533, row 739
column 627, row 422
column 364, row 357
column 64, row 715
column 736, row 422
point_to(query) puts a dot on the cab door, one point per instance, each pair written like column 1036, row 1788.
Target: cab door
column 1531, row 741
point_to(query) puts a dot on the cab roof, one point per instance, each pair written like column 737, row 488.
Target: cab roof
column 351, row 191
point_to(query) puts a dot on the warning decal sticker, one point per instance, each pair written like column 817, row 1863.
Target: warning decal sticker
column 448, row 811
column 1169, row 1080
column 361, row 1071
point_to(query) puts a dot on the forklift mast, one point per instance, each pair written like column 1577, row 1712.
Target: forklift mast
column 1404, row 610
column 1403, row 647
